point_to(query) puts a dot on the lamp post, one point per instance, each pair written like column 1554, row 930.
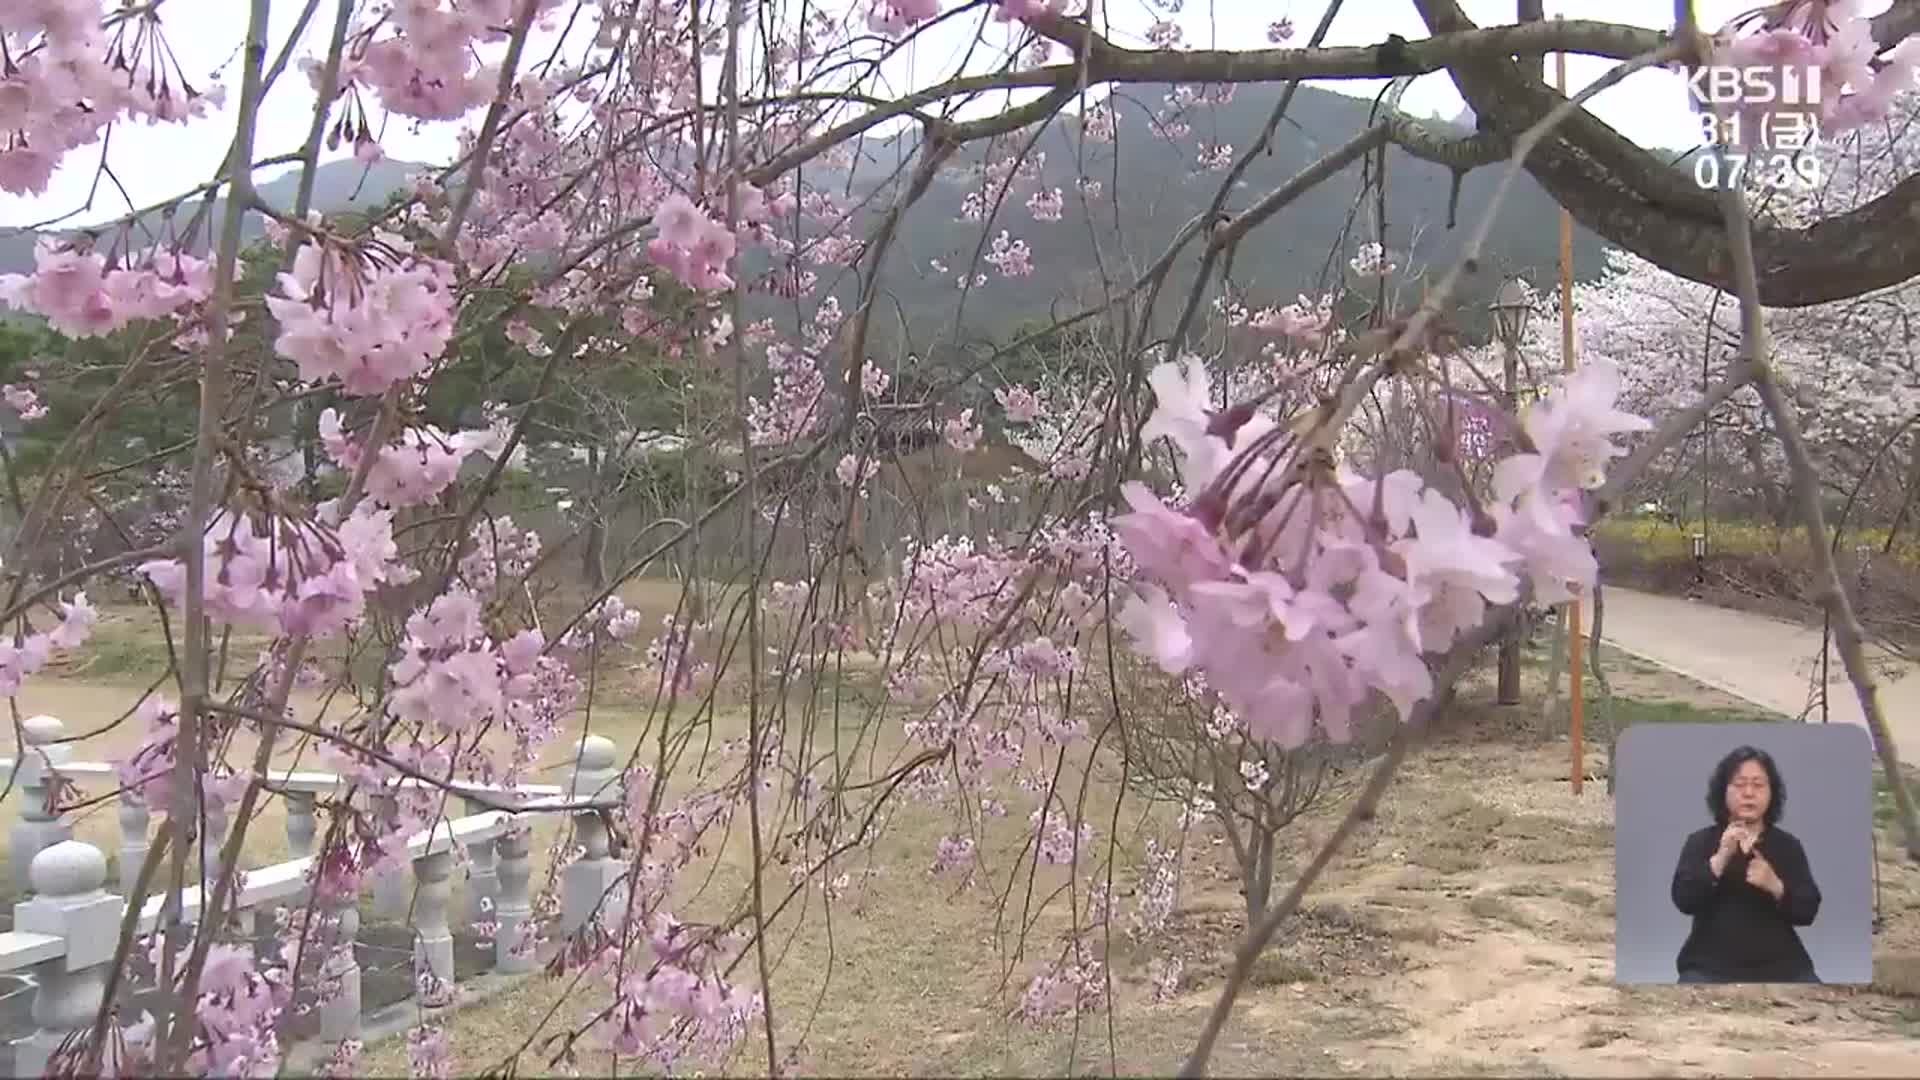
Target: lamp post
column 1511, row 306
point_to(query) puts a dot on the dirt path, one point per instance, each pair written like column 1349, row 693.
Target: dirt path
column 1498, row 898
column 1770, row 662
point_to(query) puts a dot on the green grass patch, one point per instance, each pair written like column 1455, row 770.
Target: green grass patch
column 1626, row 712
column 123, row 652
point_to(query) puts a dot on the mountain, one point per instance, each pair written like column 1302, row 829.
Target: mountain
column 337, row 185
column 1151, row 186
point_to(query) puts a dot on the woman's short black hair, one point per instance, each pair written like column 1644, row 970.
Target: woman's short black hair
column 1723, row 775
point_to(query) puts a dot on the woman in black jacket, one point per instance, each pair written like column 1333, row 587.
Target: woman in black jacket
column 1745, row 881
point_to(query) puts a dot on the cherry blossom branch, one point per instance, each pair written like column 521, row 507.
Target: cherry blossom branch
column 1849, row 635
column 1234, row 228
column 1637, row 201
column 490, row 126
column 296, row 647
column 317, row 128
column 1176, row 343
column 448, row 786
column 1396, row 56
column 136, row 903
column 174, row 1028
column 80, row 574
column 757, row 717
column 1671, row 430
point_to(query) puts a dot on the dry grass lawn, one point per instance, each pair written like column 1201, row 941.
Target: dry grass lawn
column 1466, row 931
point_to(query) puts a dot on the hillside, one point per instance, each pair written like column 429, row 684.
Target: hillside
column 1151, row 185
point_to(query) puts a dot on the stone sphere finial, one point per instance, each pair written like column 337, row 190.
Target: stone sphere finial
column 597, row 753
column 43, row 729
column 68, row 868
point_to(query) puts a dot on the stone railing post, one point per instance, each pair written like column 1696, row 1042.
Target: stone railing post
column 392, row 893
column 38, row 828
column 217, row 818
column 513, row 908
column 301, row 825
column 584, row 885
column 340, row 1007
column 483, row 878
column 433, row 936
column 134, row 819
column 71, row 903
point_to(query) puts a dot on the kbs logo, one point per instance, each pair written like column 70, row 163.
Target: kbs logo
column 1761, row 85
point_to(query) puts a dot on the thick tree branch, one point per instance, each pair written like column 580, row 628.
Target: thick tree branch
column 1635, row 200
column 1107, row 62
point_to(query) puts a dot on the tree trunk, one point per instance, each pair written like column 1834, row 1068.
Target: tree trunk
column 1257, row 869
column 1771, row 497
column 593, row 550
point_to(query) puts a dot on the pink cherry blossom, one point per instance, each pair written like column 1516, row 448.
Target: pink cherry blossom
column 960, row 432
column 368, row 319
column 1158, row 630
column 1300, row 590
column 23, row 401
column 1022, row 405
column 1571, row 434
column 1008, row 10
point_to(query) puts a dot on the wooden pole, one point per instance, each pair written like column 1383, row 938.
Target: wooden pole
column 1576, row 702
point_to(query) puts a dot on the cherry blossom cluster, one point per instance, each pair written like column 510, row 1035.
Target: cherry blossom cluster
column 1072, row 985
column 1055, row 426
column 1010, row 10
column 499, row 549
column 418, row 465
column 24, row 655
column 1834, row 37
column 680, row 1006
column 899, row 16
column 1372, row 261
column 1059, row 842
column 453, row 676
column 288, row 573
column 1046, row 205
column 961, row 432
column 147, row 773
column 855, row 470
column 429, row 1052
column 797, row 406
column 1155, row 896
column 1020, row 404
column 81, row 296
column 369, row 314
column 24, row 402
column 420, row 57
column 1299, row 587
column 691, row 245
column 1009, row 256
column 68, row 74
column 610, row 620
column 235, row 1016
column 671, row 656
column 1304, row 322
column 1215, row 158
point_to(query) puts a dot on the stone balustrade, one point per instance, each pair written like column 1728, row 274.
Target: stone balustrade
column 66, row 930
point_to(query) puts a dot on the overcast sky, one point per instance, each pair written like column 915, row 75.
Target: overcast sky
column 154, row 163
